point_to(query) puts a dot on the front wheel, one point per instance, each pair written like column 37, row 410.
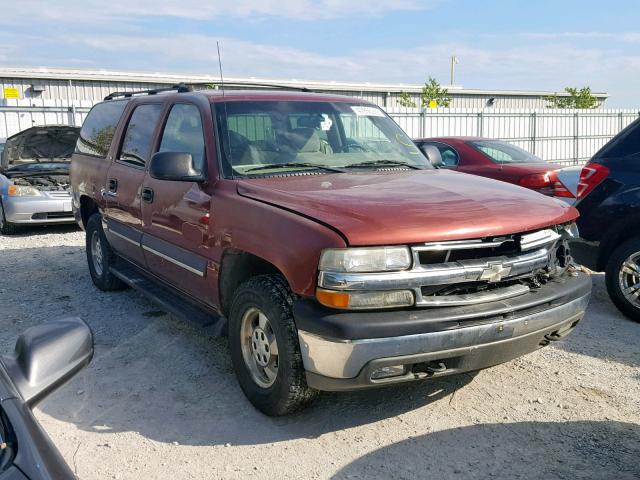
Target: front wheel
column 6, row 228
column 263, row 341
column 623, row 278
column 101, row 257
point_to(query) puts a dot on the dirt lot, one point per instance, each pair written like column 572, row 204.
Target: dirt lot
column 160, row 399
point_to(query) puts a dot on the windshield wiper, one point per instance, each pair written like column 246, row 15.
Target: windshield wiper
column 294, row 164
column 381, row 163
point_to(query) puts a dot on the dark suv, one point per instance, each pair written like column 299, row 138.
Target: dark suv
column 313, row 231
column 609, row 205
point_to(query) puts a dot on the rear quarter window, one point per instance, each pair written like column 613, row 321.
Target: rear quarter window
column 99, row 128
column 625, row 144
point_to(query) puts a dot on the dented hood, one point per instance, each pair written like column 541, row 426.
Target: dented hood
column 374, row 208
column 45, row 144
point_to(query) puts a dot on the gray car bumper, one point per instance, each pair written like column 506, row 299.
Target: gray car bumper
column 350, row 364
column 38, row 210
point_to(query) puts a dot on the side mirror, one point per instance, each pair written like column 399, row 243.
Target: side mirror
column 433, row 155
column 175, row 166
column 47, row 356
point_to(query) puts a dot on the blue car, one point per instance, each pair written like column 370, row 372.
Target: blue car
column 609, row 203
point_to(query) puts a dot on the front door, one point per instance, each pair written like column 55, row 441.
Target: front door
column 123, row 215
column 176, row 214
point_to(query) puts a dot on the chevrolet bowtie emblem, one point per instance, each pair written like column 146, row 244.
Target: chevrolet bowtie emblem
column 495, row 272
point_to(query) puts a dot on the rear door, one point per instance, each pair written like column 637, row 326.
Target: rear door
column 176, row 214
column 123, row 213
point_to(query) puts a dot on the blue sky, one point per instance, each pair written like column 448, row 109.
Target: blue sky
column 541, row 45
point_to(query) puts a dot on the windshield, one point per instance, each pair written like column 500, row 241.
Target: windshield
column 264, row 137
column 503, row 152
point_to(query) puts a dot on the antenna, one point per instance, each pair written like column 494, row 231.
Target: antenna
column 220, row 66
column 226, row 114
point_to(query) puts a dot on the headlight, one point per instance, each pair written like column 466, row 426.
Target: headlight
column 570, row 231
column 365, row 300
column 360, row 260
column 23, row 191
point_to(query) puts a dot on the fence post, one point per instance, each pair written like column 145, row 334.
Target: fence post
column 576, row 141
column 620, row 122
column 533, row 123
column 423, row 120
column 480, row 123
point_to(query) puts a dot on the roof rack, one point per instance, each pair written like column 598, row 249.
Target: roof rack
column 251, row 85
column 180, row 88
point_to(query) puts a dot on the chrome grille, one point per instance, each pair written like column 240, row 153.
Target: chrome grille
column 461, row 272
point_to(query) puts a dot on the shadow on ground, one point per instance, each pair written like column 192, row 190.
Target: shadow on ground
column 531, row 450
column 35, row 230
column 604, row 333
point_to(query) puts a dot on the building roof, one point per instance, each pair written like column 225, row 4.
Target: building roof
column 173, row 78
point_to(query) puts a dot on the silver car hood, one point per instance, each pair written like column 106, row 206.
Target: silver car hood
column 51, row 143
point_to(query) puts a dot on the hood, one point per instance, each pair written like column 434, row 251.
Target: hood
column 46, row 144
column 410, row 206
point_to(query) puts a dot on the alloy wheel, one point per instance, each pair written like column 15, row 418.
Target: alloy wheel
column 96, row 253
column 629, row 279
column 259, row 347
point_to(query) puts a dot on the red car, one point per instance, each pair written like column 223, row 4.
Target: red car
column 495, row 159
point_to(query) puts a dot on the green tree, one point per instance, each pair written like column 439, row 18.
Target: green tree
column 406, row 100
column 577, row 99
column 433, row 92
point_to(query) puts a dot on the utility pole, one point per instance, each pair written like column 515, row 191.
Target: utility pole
column 454, row 61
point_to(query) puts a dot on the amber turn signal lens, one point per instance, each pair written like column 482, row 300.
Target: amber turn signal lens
column 12, row 191
column 332, row 299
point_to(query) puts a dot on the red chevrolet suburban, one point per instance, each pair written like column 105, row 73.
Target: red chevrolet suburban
column 311, row 230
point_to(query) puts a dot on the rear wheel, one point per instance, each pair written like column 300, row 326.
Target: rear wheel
column 623, row 278
column 263, row 341
column 101, row 257
column 6, row 228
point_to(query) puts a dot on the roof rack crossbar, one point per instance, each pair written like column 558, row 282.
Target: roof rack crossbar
column 180, row 88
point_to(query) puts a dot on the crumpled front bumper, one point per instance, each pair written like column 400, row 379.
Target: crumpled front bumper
column 343, row 354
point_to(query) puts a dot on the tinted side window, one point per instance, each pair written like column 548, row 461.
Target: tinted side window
column 449, row 155
column 136, row 146
column 625, row 144
column 99, row 127
column 183, row 133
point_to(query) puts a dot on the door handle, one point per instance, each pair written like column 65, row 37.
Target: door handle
column 147, row 195
column 113, row 185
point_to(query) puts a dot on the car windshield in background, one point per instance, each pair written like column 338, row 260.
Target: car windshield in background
column 264, row 137
column 503, row 152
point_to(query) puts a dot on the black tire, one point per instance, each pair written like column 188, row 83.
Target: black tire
column 612, row 278
column 101, row 277
column 6, row 228
column 270, row 294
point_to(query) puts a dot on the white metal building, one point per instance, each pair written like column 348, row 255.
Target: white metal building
column 94, row 85
column 42, row 96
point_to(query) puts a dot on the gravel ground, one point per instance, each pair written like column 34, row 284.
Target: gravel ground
column 160, row 399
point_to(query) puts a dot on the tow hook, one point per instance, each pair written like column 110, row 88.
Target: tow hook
column 553, row 337
column 436, row 367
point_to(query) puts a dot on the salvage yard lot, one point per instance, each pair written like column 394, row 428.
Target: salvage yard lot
column 160, row 399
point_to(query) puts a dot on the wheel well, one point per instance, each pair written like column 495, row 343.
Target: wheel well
column 87, row 208
column 618, row 236
column 236, row 268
